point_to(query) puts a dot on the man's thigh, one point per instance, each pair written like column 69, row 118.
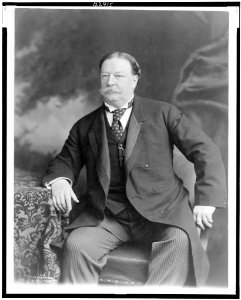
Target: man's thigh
column 99, row 240
column 149, row 232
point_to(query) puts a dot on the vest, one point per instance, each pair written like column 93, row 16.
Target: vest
column 117, row 199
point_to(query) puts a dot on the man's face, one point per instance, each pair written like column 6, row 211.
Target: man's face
column 117, row 81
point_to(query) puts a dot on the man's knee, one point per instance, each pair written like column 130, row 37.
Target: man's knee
column 180, row 241
column 180, row 234
column 177, row 236
column 78, row 242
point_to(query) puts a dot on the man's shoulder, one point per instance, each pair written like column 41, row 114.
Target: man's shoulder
column 90, row 117
column 153, row 105
column 85, row 122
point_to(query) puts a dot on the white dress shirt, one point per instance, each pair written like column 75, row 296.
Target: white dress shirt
column 124, row 119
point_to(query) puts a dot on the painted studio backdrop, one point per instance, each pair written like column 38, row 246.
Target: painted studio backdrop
column 184, row 60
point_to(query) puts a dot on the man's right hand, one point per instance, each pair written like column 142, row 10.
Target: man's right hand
column 62, row 194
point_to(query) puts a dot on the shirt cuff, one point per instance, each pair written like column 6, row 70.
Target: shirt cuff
column 48, row 184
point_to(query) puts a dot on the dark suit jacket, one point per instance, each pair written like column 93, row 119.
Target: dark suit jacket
column 151, row 185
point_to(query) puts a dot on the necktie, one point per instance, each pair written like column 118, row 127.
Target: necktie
column 116, row 124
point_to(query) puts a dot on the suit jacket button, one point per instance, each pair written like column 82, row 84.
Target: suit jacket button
column 154, row 189
column 146, row 166
column 161, row 211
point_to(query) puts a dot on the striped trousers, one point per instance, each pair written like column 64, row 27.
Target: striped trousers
column 86, row 249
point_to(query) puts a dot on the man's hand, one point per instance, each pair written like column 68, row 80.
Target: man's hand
column 62, row 194
column 203, row 216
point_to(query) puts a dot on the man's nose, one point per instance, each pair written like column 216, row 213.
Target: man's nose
column 111, row 80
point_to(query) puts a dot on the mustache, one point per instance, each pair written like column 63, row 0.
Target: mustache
column 106, row 90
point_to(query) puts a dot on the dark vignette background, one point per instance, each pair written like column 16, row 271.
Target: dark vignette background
column 184, row 60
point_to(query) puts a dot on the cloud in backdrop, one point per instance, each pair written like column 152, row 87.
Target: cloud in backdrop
column 46, row 127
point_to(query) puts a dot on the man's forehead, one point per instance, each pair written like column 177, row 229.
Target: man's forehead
column 117, row 64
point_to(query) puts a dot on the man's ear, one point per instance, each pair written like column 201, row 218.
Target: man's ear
column 135, row 80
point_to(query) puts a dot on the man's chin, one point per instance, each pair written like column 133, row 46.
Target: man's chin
column 112, row 98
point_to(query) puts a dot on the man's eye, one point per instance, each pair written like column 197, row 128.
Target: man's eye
column 104, row 75
column 119, row 76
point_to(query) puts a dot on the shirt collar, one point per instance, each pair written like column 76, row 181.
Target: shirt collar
column 112, row 108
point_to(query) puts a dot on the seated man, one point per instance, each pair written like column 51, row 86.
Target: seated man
column 133, row 193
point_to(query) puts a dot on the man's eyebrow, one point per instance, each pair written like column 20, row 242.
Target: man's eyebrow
column 118, row 72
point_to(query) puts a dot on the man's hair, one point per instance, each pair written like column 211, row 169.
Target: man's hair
column 136, row 70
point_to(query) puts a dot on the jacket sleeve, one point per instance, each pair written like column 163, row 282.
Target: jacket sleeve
column 197, row 147
column 69, row 161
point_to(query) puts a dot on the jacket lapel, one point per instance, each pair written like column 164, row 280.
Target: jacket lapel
column 99, row 144
column 134, row 136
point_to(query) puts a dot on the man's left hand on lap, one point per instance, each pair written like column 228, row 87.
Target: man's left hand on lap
column 203, row 216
